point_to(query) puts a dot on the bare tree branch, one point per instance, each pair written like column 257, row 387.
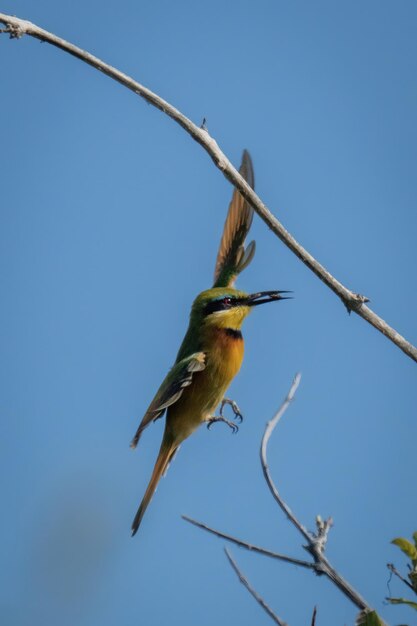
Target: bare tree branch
column 249, row 546
column 252, row 591
column 313, row 619
column 268, row 432
column 316, row 542
column 17, row 27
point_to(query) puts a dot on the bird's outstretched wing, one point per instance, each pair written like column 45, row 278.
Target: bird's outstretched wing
column 232, row 256
column 179, row 377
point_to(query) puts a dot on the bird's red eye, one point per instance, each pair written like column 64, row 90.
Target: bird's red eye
column 227, row 301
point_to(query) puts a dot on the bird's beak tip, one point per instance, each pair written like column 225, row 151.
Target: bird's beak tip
column 267, row 296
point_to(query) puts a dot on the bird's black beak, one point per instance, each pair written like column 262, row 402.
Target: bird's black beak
column 266, row 296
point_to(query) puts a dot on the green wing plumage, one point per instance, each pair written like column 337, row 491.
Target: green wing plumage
column 179, row 377
column 232, row 256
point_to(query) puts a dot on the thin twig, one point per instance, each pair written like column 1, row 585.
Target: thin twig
column 316, row 543
column 249, row 546
column 17, row 27
column 394, row 570
column 313, row 619
column 268, row 432
column 252, row 591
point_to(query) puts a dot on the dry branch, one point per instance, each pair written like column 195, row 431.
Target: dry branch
column 394, row 571
column 249, row 546
column 316, row 542
column 17, row 27
column 252, row 591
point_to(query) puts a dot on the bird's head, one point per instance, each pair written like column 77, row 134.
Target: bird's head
column 225, row 307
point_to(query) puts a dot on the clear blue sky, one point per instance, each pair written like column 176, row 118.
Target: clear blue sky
column 109, row 224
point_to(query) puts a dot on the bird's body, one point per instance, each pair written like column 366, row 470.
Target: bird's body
column 211, row 353
column 199, row 401
column 223, row 348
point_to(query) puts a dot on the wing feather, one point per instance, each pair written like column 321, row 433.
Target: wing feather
column 179, row 377
column 232, row 256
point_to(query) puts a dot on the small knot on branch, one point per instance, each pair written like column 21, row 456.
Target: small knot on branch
column 354, row 302
column 16, row 31
column 321, row 535
column 318, row 540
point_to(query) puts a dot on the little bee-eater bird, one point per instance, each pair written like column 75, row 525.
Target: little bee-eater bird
column 211, row 353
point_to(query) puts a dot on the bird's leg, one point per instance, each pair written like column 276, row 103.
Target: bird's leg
column 235, row 409
column 220, row 418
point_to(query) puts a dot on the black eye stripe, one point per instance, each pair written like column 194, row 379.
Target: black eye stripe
column 221, row 305
column 215, row 305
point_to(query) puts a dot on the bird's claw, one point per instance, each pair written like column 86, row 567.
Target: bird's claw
column 238, row 415
column 220, row 418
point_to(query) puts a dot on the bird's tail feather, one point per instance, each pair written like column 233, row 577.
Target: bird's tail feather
column 166, row 453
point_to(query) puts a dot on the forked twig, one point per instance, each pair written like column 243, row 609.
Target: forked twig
column 252, row 591
column 316, row 542
column 17, row 27
column 394, row 570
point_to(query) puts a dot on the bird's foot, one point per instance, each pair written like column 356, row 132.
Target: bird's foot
column 220, row 418
column 235, row 409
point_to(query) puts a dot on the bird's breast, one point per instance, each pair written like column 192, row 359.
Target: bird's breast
column 224, row 350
